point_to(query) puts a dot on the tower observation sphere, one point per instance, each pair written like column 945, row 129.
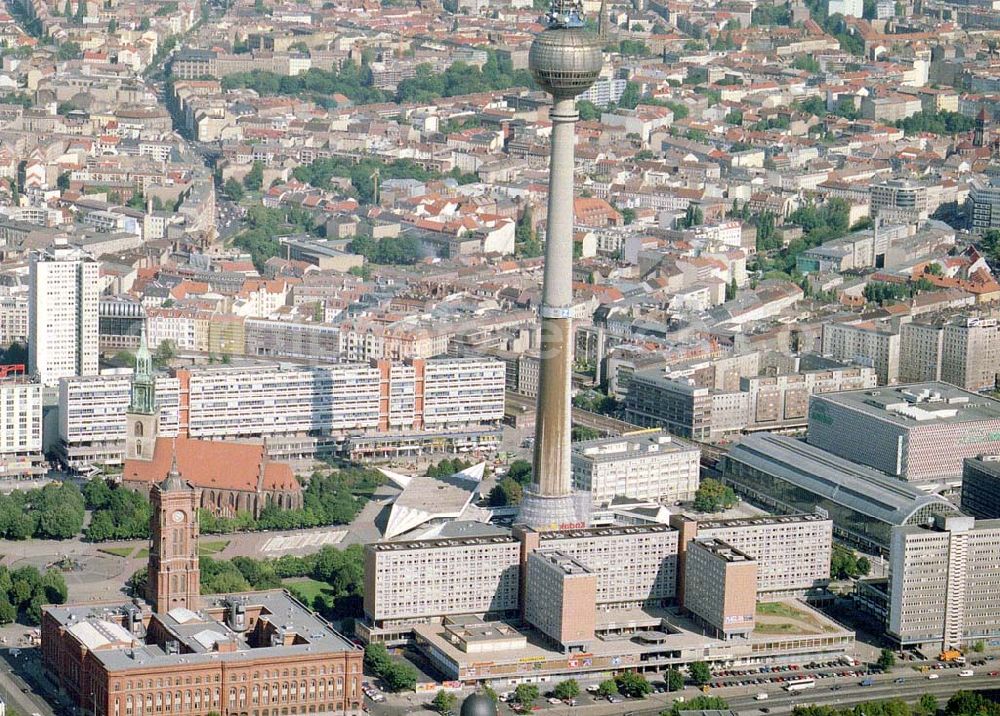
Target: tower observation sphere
column 565, row 60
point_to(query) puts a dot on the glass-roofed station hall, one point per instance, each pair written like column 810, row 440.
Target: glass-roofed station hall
column 790, row 476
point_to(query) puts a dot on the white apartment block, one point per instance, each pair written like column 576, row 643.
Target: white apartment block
column 792, row 551
column 250, row 400
column 605, row 91
column 945, row 583
column 462, row 391
column 92, row 410
column 970, row 353
column 777, row 400
column 260, row 400
column 63, row 292
column 847, row 8
column 635, row 566
column 411, row 582
column 13, row 319
column 646, row 466
column 865, row 343
column 20, row 427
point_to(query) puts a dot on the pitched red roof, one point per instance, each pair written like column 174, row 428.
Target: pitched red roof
column 213, row 465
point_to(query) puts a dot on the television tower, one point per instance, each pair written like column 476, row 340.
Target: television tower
column 564, row 60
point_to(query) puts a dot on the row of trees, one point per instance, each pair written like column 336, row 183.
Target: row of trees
column 819, row 222
column 252, row 181
column 396, row 675
column 460, row 79
column 882, row 292
column 713, row 496
column 320, row 172
column 317, row 85
column 447, row 467
column 817, row 106
column 341, row 570
column 265, row 224
column 24, row 590
column 54, row 511
column 990, row 243
column 526, row 243
column 627, row 683
column 944, row 123
column 333, row 498
column 927, row 706
column 118, row 513
column 509, row 490
column 845, row 564
column 395, row 250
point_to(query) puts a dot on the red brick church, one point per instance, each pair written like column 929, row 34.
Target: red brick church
column 178, row 652
column 232, row 477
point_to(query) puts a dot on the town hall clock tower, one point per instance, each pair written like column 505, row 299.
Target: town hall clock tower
column 173, row 579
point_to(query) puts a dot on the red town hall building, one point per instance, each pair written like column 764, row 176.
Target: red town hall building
column 252, row 654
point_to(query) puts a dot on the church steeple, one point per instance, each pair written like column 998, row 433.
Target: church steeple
column 143, row 386
column 142, row 416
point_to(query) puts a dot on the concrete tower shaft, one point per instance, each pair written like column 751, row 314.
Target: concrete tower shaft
column 564, row 60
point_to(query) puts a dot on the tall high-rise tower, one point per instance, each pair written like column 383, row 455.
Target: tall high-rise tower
column 173, row 578
column 63, row 293
column 564, row 60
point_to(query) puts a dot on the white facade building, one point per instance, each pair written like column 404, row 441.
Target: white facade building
column 262, row 400
column 945, row 583
column 14, row 319
column 62, row 307
column 92, row 423
column 20, row 427
column 604, row 92
column 649, row 466
column 847, row 8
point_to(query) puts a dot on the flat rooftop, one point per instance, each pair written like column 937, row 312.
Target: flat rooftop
column 760, row 521
column 97, row 628
column 723, row 550
column 916, row 404
column 412, row 545
column 657, row 631
column 563, row 562
column 990, row 464
column 555, row 535
column 632, row 446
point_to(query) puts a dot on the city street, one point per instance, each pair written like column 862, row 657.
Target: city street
column 903, row 682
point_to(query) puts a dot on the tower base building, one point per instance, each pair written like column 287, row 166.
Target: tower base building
column 559, row 512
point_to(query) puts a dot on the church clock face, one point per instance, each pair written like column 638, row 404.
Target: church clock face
column 178, row 516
